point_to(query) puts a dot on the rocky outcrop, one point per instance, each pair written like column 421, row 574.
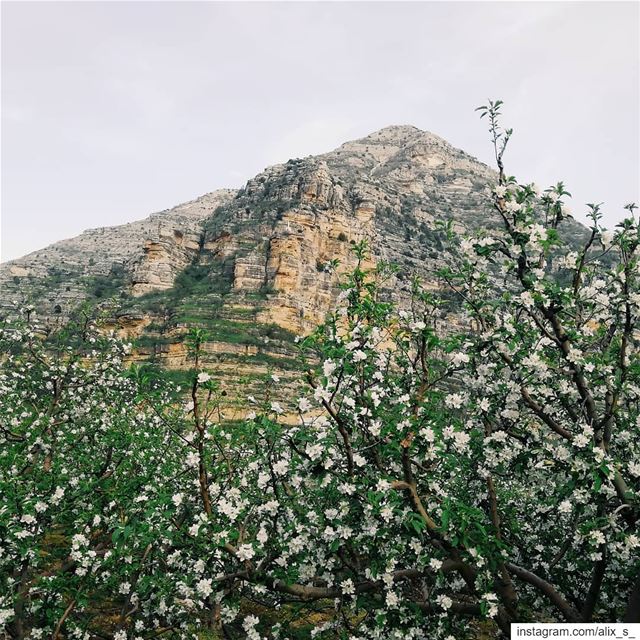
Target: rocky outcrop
column 175, row 244
column 257, row 266
column 133, row 258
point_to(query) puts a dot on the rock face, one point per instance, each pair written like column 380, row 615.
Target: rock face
column 132, row 258
column 251, row 266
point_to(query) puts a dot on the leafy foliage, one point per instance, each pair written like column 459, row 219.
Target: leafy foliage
column 434, row 478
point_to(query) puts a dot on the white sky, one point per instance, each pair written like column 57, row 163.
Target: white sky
column 113, row 110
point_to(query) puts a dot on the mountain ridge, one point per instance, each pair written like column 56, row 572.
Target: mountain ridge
column 253, row 266
column 152, row 251
column 390, row 132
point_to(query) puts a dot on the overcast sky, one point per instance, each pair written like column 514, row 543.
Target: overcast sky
column 113, row 110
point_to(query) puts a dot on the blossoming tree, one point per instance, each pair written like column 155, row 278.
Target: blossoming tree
column 438, row 480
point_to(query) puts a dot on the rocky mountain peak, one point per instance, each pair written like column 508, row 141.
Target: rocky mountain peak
column 402, row 135
column 385, row 143
column 394, row 134
column 255, row 267
column 374, row 187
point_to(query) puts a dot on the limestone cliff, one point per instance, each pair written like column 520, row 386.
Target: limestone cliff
column 132, row 258
column 251, row 266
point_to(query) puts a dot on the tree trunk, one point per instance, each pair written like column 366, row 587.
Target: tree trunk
column 633, row 608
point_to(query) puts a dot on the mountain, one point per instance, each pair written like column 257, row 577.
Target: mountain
column 250, row 265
